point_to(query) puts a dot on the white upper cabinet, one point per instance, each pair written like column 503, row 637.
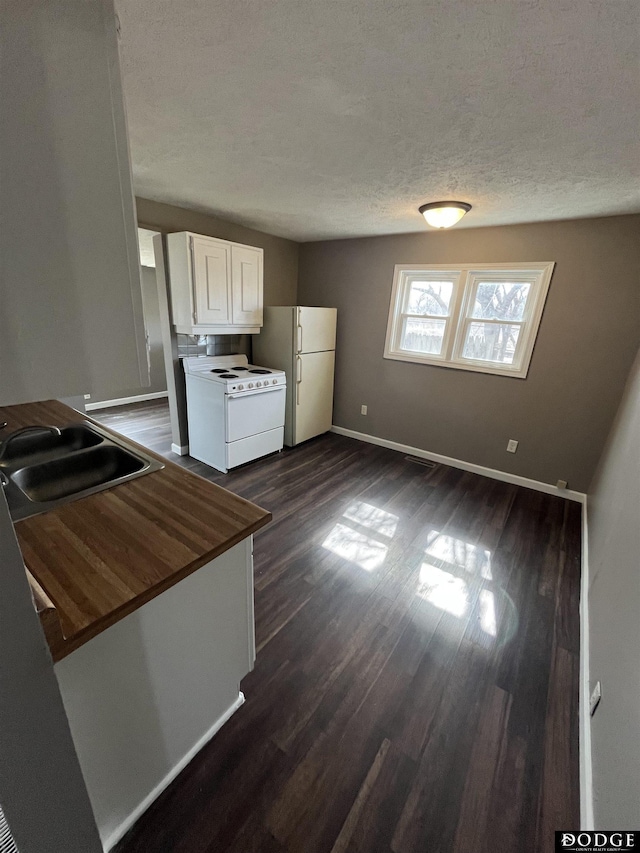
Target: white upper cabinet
column 212, row 277
column 216, row 286
column 71, row 318
column 246, row 278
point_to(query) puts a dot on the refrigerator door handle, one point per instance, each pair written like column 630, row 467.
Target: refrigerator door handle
column 299, row 338
column 298, row 378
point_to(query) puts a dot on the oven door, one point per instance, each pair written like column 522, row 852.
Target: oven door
column 252, row 412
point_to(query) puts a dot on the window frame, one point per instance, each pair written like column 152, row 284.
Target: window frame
column 466, row 279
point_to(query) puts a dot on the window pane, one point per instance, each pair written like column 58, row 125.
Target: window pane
column 424, row 336
column 501, row 300
column 491, row 342
column 430, row 297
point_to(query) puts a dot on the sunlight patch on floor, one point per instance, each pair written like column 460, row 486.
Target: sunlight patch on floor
column 362, row 535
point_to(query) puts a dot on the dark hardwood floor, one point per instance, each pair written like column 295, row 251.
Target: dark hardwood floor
column 416, row 686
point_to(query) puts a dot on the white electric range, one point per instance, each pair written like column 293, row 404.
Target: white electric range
column 235, row 410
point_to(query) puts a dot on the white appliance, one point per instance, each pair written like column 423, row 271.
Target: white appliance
column 302, row 341
column 235, row 410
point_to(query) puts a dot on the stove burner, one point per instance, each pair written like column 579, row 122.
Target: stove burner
column 228, row 376
column 239, row 368
column 219, row 370
column 259, row 370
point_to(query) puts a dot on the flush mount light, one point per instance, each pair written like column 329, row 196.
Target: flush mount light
column 444, row 214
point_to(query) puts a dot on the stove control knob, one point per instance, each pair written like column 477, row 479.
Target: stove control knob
column 240, row 387
column 274, row 381
column 250, row 385
column 258, row 384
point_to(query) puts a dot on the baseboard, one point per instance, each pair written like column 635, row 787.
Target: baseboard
column 126, row 825
column 586, row 767
column 123, row 401
column 493, row 473
column 180, row 450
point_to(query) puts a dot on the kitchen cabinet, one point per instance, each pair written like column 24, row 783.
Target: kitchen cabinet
column 216, row 286
column 246, row 286
column 144, row 696
column 150, row 624
column 71, row 319
column 212, row 280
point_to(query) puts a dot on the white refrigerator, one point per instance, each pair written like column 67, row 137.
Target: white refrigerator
column 301, row 341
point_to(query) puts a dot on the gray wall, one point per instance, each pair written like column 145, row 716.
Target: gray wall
column 560, row 414
column 280, row 255
column 151, row 309
column 71, row 315
column 614, row 598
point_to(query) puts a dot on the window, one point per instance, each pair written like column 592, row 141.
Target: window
column 481, row 317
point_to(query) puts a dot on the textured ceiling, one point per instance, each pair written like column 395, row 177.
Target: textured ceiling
column 337, row 118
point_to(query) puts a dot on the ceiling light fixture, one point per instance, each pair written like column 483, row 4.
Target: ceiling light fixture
column 444, row 214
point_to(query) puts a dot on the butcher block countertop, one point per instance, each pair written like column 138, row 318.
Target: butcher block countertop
column 95, row 560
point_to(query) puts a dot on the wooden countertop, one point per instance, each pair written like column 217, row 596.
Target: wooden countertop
column 99, row 558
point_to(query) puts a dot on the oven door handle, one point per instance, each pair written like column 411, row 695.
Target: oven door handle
column 253, row 391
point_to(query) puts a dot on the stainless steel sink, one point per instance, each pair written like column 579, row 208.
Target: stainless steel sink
column 43, row 470
column 37, row 446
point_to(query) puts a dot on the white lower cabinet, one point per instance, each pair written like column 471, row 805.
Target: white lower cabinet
column 216, row 286
column 144, row 696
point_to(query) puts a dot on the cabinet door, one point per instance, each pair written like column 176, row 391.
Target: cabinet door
column 211, row 282
column 246, row 277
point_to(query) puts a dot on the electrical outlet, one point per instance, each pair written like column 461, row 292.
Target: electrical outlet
column 363, row 410
column 87, row 396
column 512, row 445
column 561, row 484
column 594, row 699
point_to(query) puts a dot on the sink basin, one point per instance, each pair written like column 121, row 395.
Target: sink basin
column 41, row 471
column 69, row 475
column 36, row 447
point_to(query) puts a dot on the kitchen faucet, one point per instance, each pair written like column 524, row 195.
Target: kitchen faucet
column 3, row 447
